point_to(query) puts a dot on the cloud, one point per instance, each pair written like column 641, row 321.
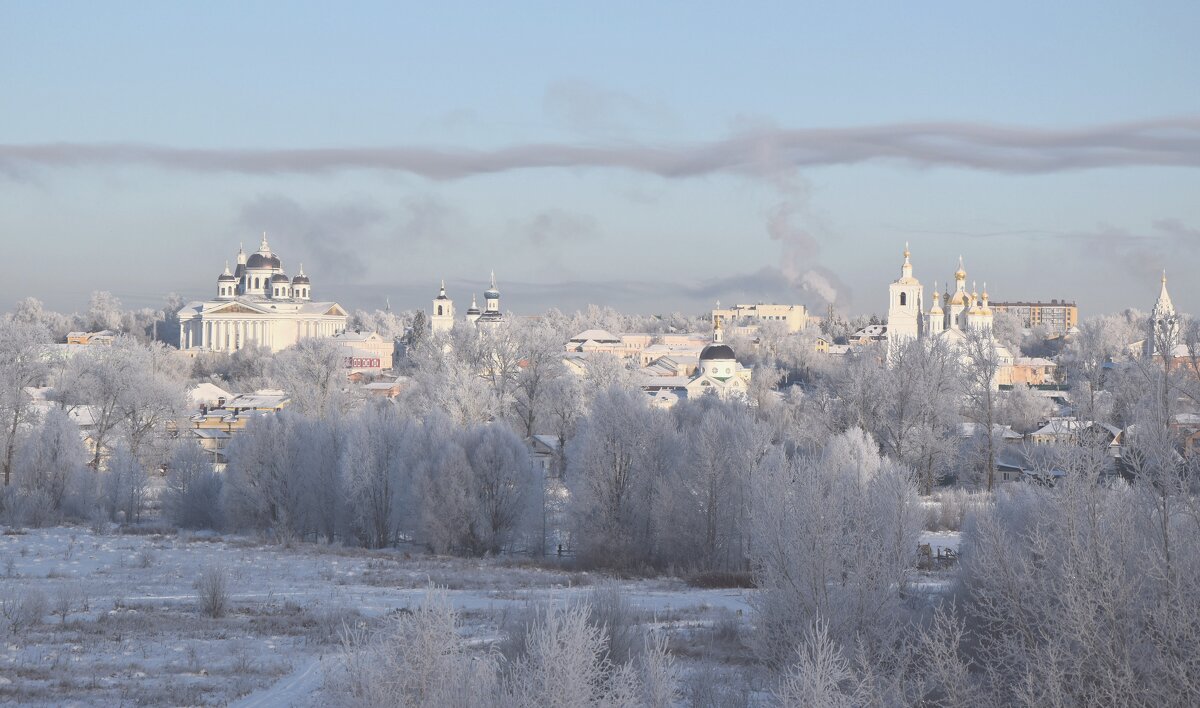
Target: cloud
column 755, row 151
column 556, row 227
column 1141, row 254
column 339, row 236
column 430, row 218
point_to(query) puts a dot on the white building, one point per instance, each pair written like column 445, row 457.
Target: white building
column 442, row 319
column 905, row 307
column 257, row 304
column 1163, row 325
column 964, row 312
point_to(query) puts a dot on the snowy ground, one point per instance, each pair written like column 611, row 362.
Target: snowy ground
column 133, row 632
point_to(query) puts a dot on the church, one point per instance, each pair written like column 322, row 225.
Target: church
column 961, row 313
column 257, row 304
column 442, row 317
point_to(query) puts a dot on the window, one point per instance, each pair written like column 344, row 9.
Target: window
column 439, row 309
column 903, row 299
column 256, row 283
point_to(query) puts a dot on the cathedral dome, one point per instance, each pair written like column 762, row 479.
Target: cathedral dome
column 279, row 278
column 227, row 277
column 258, row 260
column 716, row 351
column 302, row 278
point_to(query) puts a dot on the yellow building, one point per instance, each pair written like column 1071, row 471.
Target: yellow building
column 1057, row 316
column 794, row 317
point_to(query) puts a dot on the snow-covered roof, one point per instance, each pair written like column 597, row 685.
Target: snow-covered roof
column 206, row 392
column 358, row 337
column 596, row 335
column 265, row 398
column 1033, row 361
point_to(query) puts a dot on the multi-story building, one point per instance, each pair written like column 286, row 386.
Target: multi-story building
column 1057, row 316
column 794, row 317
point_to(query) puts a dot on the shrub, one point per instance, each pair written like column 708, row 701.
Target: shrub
column 212, row 589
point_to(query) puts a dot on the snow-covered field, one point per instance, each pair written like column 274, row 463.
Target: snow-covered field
column 119, row 622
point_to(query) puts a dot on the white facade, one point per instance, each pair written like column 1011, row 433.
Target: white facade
column 441, row 318
column 257, row 304
column 962, row 312
column 1164, row 323
column 905, row 308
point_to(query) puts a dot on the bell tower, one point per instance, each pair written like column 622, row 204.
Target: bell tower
column 442, row 315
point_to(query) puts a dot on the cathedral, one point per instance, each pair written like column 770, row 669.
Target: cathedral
column 442, row 317
column 950, row 316
column 257, row 304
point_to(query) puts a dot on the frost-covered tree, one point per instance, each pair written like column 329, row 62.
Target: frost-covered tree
column 506, row 490
column 103, row 312
column 52, row 454
column 607, row 478
column 375, row 475
column 313, row 375
column 192, row 496
column 981, row 366
column 834, row 536
column 128, row 387
column 540, row 365
column 24, row 352
column 124, row 486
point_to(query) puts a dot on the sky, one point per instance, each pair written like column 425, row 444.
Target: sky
column 654, row 157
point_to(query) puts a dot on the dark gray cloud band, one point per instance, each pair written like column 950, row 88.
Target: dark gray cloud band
column 1164, row 142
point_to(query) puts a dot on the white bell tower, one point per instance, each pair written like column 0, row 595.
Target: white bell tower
column 442, row 315
column 904, row 307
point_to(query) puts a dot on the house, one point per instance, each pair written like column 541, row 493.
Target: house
column 103, row 337
column 1033, row 371
column 366, row 351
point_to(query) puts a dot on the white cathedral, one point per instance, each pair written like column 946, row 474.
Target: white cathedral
column 442, row 317
column 258, row 304
column 963, row 312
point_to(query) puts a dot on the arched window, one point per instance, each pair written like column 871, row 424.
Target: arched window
column 256, row 283
column 439, row 309
column 903, row 299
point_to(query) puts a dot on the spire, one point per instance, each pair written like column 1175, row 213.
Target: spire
column 906, row 269
column 961, row 274
column 264, row 247
column 493, row 279
column 1163, row 305
column 227, row 272
column 717, row 337
column 301, row 269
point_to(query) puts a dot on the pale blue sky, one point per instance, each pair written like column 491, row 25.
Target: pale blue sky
column 1092, row 191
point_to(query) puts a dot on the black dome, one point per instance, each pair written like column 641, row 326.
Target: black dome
column 258, row 260
column 300, row 279
column 716, row 351
column 227, row 277
column 279, row 278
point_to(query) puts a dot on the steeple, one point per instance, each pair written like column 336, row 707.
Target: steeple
column 717, row 334
column 906, row 269
column 264, row 247
column 1163, row 304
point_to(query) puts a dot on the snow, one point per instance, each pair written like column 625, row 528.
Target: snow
column 134, row 633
